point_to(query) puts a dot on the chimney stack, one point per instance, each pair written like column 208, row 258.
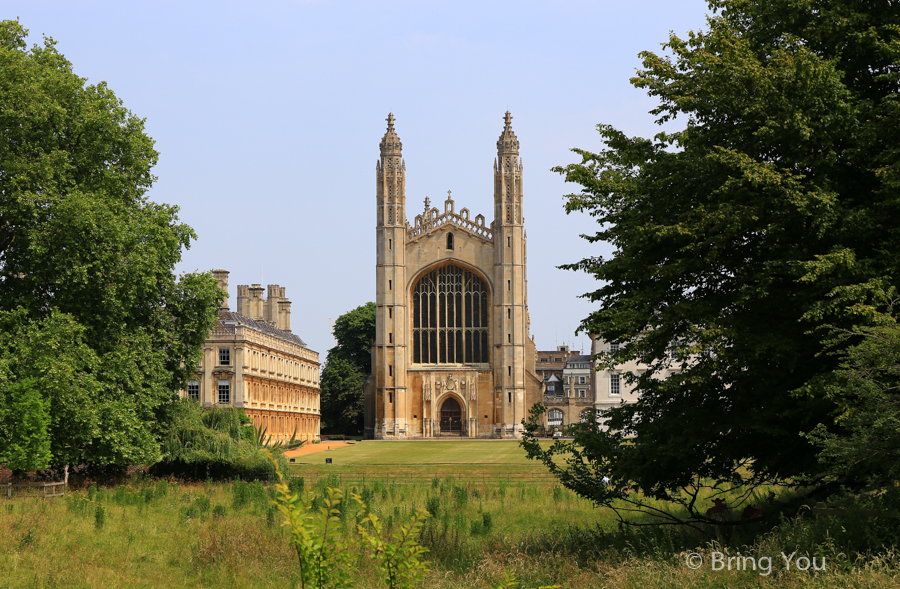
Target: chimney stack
column 284, row 315
column 222, row 277
column 256, row 302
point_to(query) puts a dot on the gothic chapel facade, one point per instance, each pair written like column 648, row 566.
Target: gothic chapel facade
column 452, row 355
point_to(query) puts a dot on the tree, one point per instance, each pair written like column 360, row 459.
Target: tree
column 739, row 239
column 864, row 443
column 90, row 306
column 348, row 365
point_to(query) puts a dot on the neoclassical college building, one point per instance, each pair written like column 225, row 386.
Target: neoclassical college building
column 452, row 352
column 252, row 360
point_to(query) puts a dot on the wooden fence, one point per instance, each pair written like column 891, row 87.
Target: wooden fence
column 42, row 490
column 484, row 478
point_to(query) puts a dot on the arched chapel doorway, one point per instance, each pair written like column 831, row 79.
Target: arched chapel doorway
column 451, row 418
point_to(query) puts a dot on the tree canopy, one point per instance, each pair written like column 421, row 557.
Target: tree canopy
column 742, row 239
column 97, row 331
column 348, row 365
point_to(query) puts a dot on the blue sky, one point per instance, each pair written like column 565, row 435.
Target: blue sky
column 268, row 116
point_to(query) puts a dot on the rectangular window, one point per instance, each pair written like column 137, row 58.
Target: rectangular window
column 224, row 392
column 390, row 338
column 614, row 347
column 509, row 285
column 509, row 338
column 557, row 359
column 224, row 356
column 390, row 244
column 551, row 387
column 615, row 385
column 390, row 287
column 581, row 380
column 544, row 359
column 193, row 390
column 390, row 312
column 390, row 370
column 509, row 369
column 582, row 393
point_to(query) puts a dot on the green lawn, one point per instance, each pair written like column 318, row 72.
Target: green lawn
column 370, row 453
column 468, row 460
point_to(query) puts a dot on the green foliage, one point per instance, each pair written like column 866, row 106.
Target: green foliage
column 24, row 422
column 99, row 517
column 864, row 443
column 316, row 534
column 355, row 332
column 316, row 526
column 218, row 443
column 89, row 302
column 400, row 556
column 346, row 369
column 736, row 238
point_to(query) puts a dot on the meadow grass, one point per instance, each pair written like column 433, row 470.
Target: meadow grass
column 164, row 534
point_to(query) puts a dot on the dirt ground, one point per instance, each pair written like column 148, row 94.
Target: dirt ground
column 311, row 448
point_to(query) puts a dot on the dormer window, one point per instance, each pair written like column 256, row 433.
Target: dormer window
column 449, row 241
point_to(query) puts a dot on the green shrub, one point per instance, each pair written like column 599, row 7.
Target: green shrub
column 99, row 517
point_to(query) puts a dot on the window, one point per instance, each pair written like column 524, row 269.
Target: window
column 586, row 416
column 615, row 385
column 193, row 390
column 544, row 359
column 557, row 359
column 582, row 393
column 224, row 356
column 581, row 380
column 614, row 347
column 551, row 387
column 449, row 241
column 451, row 317
column 224, row 392
column 555, row 418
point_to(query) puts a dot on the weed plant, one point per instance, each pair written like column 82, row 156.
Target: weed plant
column 227, row 534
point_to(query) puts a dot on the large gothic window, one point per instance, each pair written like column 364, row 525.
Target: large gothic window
column 450, row 317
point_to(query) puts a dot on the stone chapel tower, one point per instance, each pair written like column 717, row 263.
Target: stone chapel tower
column 452, row 355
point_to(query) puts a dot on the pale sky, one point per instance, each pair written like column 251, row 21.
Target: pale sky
column 267, row 117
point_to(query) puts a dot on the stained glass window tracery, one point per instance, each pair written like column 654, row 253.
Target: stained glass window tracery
column 451, row 317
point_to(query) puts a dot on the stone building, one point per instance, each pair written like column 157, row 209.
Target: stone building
column 252, row 360
column 452, row 352
column 568, row 386
column 610, row 386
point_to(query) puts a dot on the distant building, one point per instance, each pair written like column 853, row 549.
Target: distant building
column 452, row 353
column 568, row 386
column 253, row 361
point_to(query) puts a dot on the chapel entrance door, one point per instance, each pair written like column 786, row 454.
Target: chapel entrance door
column 451, row 418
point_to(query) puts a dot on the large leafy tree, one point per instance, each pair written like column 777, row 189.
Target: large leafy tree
column 346, row 369
column 94, row 318
column 770, row 215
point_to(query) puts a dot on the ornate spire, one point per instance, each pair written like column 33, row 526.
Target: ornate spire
column 390, row 144
column 508, row 144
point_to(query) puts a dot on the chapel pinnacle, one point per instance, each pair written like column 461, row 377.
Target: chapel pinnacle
column 508, row 144
column 390, row 143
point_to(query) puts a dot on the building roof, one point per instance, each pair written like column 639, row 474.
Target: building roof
column 259, row 326
column 579, row 359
